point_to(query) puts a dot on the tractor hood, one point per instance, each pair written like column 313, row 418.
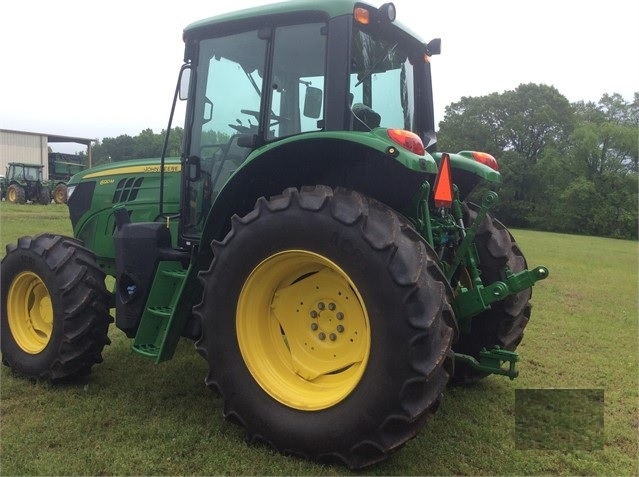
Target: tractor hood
column 94, row 193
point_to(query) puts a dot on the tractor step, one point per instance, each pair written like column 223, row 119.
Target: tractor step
column 155, row 338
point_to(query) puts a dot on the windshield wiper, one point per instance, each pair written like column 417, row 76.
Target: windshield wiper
column 370, row 70
column 252, row 80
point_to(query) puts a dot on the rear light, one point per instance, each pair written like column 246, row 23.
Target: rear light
column 486, row 159
column 408, row 140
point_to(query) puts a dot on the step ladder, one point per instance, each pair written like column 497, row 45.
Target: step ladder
column 160, row 326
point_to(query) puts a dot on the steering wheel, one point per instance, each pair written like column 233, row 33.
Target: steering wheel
column 241, row 128
column 256, row 114
column 250, row 112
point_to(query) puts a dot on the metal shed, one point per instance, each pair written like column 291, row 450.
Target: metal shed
column 32, row 147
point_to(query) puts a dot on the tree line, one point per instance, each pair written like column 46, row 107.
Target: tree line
column 145, row 145
column 566, row 167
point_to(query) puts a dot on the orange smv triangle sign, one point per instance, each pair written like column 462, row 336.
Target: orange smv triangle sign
column 443, row 191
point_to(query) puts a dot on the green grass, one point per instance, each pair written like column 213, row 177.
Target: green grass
column 30, row 219
column 132, row 417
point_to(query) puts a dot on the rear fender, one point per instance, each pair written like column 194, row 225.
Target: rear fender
column 362, row 161
column 468, row 173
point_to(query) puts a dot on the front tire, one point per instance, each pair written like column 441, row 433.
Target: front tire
column 326, row 326
column 503, row 324
column 55, row 314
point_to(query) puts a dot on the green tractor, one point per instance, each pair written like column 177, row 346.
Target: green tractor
column 61, row 167
column 25, row 182
column 320, row 253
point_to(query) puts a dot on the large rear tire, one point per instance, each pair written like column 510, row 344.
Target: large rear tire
column 503, row 324
column 44, row 196
column 55, row 313
column 16, row 194
column 326, row 325
column 60, row 194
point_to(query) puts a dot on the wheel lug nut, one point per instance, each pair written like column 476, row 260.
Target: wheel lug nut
column 313, row 314
column 332, row 336
column 331, row 306
column 340, row 315
column 340, row 329
column 321, row 305
column 314, row 326
column 322, row 336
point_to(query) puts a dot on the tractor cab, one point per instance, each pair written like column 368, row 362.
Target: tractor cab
column 25, row 172
column 303, row 76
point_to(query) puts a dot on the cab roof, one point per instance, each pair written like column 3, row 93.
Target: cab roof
column 326, row 8
column 330, row 8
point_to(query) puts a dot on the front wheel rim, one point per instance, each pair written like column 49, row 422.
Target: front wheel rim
column 60, row 195
column 303, row 330
column 30, row 312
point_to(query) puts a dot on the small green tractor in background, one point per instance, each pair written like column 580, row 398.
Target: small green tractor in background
column 24, row 182
column 310, row 240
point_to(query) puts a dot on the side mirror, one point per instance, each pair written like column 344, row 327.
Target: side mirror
column 207, row 114
column 312, row 102
column 185, row 81
column 434, row 47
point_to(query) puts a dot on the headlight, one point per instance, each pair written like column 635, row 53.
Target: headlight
column 70, row 190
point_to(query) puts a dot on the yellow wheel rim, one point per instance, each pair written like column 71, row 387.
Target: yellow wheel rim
column 464, row 282
column 60, row 196
column 303, row 330
column 12, row 196
column 30, row 312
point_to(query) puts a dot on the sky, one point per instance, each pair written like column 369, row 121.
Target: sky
column 99, row 68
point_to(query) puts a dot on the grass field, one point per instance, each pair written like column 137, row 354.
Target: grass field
column 132, row 417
